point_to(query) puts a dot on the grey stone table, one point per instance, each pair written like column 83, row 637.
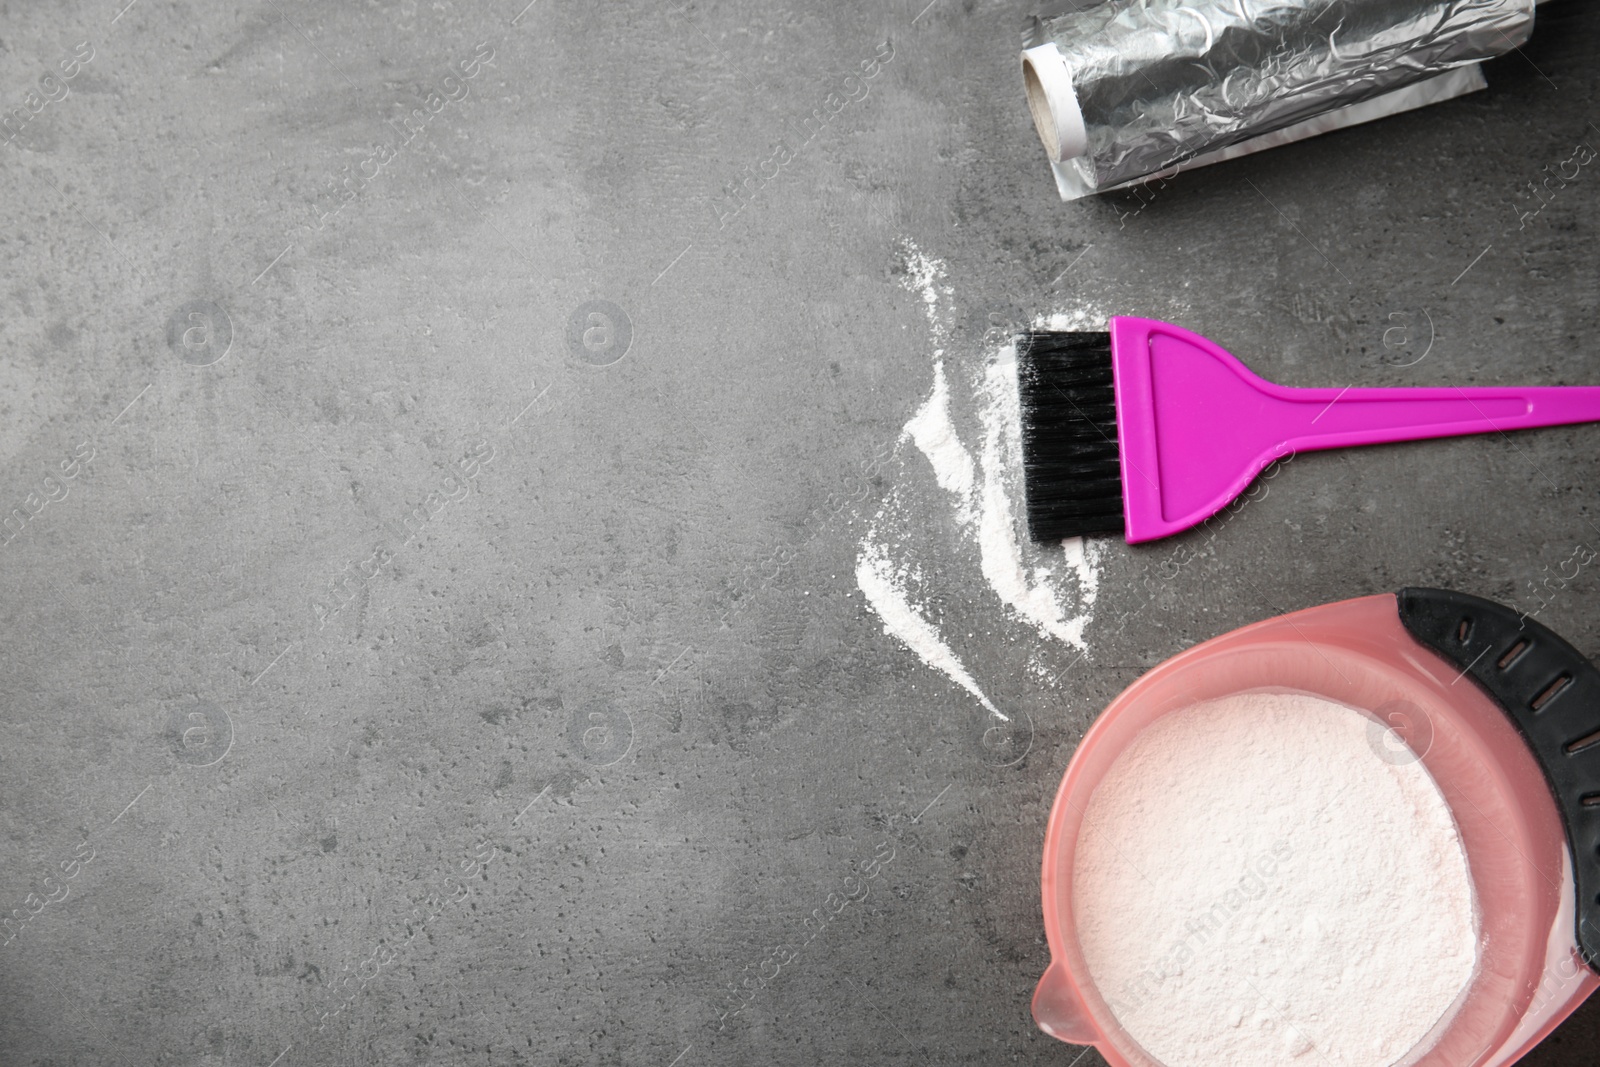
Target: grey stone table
column 438, row 439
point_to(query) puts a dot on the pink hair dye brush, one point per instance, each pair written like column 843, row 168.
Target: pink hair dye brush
column 1151, row 429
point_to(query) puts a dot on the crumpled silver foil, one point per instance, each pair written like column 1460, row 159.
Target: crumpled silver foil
column 1162, row 81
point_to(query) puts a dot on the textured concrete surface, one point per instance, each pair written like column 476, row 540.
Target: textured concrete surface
column 432, row 635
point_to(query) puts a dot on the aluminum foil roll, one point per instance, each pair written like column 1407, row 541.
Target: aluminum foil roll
column 1141, row 86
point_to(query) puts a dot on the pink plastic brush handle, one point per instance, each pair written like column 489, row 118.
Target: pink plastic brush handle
column 1195, row 426
column 1333, row 418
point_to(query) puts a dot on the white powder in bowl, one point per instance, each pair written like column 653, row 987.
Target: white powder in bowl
column 1260, row 880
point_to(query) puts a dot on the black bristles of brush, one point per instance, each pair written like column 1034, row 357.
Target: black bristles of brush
column 1071, row 470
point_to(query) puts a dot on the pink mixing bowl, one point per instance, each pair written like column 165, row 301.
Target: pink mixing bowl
column 1502, row 713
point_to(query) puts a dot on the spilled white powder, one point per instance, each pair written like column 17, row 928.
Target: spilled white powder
column 1084, row 318
column 935, row 437
column 980, row 492
column 925, row 276
column 1255, row 886
column 988, row 505
column 875, row 575
column 1081, row 556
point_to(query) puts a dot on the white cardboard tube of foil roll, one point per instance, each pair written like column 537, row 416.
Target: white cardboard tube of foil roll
column 1052, row 102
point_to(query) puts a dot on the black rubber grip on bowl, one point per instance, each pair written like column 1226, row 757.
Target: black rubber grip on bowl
column 1552, row 693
